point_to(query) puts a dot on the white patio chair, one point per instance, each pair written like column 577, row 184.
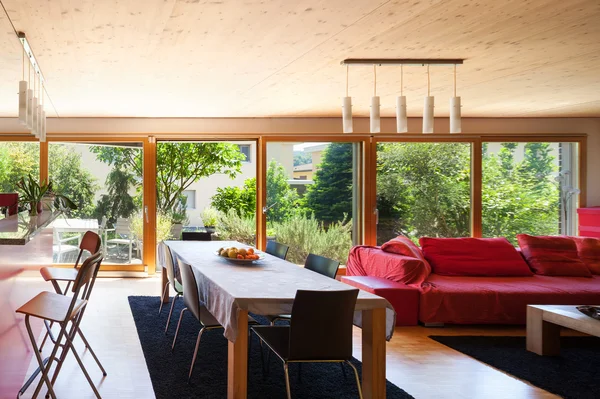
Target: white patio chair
column 62, row 246
column 124, row 236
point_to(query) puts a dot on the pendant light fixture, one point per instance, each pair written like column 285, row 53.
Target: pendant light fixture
column 40, row 109
column 455, row 120
column 347, row 107
column 23, row 96
column 34, row 109
column 428, row 107
column 29, row 102
column 375, row 106
column 401, row 117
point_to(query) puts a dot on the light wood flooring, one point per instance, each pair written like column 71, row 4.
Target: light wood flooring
column 417, row 364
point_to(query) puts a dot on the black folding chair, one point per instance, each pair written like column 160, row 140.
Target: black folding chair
column 277, row 249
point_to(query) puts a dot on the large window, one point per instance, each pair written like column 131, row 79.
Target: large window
column 105, row 182
column 312, row 198
column 529, row 188
column 423, row 189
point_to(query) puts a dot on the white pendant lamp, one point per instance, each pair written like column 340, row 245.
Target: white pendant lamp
column 455, row 120
column 23, row 97
column 428, row 108
column 375, row 106
column 29, row 120
column 401, row 117
column 347, row 108
column 43, row 129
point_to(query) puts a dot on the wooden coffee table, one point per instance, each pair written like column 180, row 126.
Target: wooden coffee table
column 544, row 323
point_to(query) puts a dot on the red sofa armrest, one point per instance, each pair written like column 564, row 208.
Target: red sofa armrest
column 404, row 298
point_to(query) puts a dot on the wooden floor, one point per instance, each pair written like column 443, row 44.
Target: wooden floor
column 419, row 365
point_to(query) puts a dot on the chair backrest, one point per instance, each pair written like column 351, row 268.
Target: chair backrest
column 277, row 249
column 122, row 227
column 169, row 266
column 86, row 276
column 196, row 236
column 321, row 325
column 190, row 288
column 322, row 265
column 89, row 242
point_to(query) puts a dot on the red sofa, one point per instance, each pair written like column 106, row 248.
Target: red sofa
column 451, row 292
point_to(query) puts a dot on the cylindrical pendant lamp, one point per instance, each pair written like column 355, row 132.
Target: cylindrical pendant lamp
column 34, row 117
column 43, row 131
column 428, row 108
column 455, row 122
column 401, row 117
column 347, row 108
column 375, row 106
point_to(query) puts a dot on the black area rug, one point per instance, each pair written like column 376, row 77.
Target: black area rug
column 574, row 374
column 169, row 370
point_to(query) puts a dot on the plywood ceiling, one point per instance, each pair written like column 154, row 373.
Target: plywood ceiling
column 234, row 58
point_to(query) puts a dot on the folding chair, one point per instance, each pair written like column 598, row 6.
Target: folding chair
column 68, row 313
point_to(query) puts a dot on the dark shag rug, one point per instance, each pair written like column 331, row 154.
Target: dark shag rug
column 574, row 374
column 168, row 370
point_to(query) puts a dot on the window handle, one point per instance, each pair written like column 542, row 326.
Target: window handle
column 146, row 213
column 376, row 213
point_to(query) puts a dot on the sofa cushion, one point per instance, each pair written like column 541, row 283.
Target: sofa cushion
column 372, row 261
column 552, row 255
column 588, row 250
column 473, row 257
column 402, row 245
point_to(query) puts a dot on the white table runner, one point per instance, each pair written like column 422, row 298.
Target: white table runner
column 265, row 288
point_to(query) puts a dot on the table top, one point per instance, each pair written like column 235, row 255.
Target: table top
column 267, row 287
column 19, row 229
column 568, row 316
column 75, row 224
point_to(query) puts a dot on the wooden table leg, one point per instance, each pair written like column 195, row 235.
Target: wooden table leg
column 237, row 373
column 543, row 337
column 164, row 280
column 373, row 353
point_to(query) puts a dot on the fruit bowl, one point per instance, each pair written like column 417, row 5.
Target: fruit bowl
column 260, row 256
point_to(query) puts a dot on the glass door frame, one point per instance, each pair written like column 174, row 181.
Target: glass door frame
column 476, row 141
column 148, row 257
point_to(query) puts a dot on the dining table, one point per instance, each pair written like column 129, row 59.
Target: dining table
column 230, row 291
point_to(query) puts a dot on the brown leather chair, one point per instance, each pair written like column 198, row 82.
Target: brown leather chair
column 320, row 331
column 68, row 313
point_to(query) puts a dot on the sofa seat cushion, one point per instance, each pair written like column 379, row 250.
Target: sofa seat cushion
column 474, row 257
column 404, row 298
column 499, row 300
column 552, row 255
column 372, row 261
column 588, row 250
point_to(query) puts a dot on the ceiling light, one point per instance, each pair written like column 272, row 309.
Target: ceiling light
column 401, row 117
column 428, row 107
column 375, row 106
column 455, row 120
column 347, row 108
column 23, row 96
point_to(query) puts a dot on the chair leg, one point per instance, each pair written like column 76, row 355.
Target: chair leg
column 177, row 331
column 164, row 294
column 45, row 377
column 357, row 378
column 287, row 380
column 170, row 313
column 343, row 370
column 88, row 347
column 195, row 353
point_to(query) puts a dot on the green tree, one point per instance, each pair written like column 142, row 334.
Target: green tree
column 302, row 158
column 282, row 200
column 330, row 197
column 71, row 180
column 118, row 202
column 17, row 159
column 242, row 200
column 179, row 165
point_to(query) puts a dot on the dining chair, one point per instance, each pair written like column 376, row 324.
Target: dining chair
column 320, row 331
column 196, row 236
column 198, row 310
column 124, row 236
column 277, row 249
column 68, row 313
column 173, row 280
column 318, row 264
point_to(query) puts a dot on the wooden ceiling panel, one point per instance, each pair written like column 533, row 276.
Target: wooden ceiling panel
column 230, row 58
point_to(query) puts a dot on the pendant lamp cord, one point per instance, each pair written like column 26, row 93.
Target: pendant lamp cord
column 374, row 80
column 347, row 73
column 428, row 81
column 454, row 80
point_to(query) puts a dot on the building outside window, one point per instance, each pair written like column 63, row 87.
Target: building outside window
column 190, row 196
column 245, row 149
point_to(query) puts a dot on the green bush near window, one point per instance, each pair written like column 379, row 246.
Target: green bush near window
column 231, row 226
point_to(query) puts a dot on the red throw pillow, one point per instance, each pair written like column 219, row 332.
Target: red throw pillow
column 474, row 257
column 588, row 249
column 552, row 256
column 402, row 245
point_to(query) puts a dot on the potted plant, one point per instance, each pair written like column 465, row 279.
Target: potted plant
column 178, row 218
column 32, row 193
column 209, row 218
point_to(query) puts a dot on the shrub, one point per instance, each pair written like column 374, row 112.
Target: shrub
column 240, row 199
column 163, row 226
column 305, row 235
column 231, row 226
column 209, row 217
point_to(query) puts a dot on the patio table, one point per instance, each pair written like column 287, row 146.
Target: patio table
column 269, row 287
